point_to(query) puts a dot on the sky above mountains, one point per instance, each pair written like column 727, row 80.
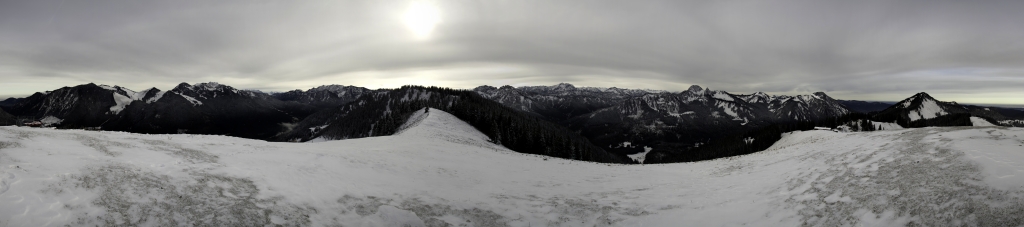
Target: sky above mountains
column 965, row 51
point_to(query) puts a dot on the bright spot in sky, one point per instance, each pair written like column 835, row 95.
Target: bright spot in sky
column 421, row 17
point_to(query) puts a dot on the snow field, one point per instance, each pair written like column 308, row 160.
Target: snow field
column 440, row 171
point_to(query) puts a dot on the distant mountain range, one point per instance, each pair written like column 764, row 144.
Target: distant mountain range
column 205, row 108
column 865, row 106
column 628, row 121
column 584, row 123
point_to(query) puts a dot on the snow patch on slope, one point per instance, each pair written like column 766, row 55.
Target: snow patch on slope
column 156, row 97
column 639, row 157
column 120, row 101
column 723, row 96
column 194, row 101
column 51, row 120
column 928, row 110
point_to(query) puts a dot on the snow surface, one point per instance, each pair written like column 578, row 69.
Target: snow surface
column 439, row 170
column 977, row 121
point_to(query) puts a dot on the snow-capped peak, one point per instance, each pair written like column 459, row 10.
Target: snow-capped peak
column 757, row 97
column 332, row 88
column 209, row 86
column 922, row 106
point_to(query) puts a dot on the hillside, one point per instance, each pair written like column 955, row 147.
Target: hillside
column 919, row 107
column 439, row 170
column 383, row 113
column 633, row 121
column 6, row 118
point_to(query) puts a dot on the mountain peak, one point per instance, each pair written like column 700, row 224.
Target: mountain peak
column 182, row 86
column 482, row 88
column 822, row 95
column 333, row 88
column 923, row 95
column 563, row 86
column 695, row 89
column 208, row 85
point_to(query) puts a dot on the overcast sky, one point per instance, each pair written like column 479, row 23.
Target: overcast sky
column 966, row 51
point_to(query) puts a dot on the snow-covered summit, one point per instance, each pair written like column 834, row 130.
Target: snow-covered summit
column 440, row 125
column 340, row 90
column 695, row 89
column 563, row 86
column 921, row 106
column 756, row 97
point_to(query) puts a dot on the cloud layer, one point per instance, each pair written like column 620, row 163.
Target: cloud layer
column 968, row 51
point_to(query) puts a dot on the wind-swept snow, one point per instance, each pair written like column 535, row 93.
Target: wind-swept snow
column 440, row 171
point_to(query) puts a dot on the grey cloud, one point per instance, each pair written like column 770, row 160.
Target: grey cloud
column 859, row 49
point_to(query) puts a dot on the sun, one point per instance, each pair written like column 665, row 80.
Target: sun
column 421, row 17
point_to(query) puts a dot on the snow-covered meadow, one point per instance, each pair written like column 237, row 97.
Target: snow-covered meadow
column 439, row 171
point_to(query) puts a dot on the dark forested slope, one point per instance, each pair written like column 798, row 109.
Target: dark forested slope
column 381, row 113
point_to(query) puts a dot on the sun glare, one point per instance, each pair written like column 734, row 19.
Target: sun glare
column 421, row 17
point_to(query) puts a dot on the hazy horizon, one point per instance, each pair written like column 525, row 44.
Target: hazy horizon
column 3, row 97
